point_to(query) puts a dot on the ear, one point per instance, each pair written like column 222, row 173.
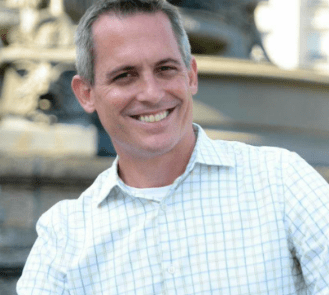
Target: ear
column 83, row 92
column 193, row 76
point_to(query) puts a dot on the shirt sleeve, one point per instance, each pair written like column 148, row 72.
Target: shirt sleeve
column 307, row 221
column 44, row 271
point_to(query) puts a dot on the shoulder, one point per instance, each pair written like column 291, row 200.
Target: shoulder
column 234, row 153
column 277, row 165
column 245, row 154
column 68, row 215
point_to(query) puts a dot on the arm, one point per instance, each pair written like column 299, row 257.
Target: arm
column 44, row 271
column 307, row 221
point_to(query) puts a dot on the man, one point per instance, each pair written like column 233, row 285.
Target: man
column 177, row 213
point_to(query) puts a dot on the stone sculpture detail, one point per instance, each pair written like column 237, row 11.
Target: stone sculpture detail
column 43, row 26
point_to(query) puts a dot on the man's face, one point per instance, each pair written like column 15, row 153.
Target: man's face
column 142, row 91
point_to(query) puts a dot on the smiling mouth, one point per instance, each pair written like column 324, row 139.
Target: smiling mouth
column 154, row 117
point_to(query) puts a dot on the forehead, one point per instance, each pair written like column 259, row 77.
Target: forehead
column 133, row 40
column 123, row 29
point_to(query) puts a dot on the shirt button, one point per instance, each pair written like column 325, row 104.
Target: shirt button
column 171, row 269
column 164, row 207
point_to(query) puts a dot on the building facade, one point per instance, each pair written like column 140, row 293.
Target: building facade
column 295, row 33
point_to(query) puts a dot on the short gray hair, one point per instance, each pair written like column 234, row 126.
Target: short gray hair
column 85, row 54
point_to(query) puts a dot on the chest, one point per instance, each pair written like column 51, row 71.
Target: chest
column 204, row 237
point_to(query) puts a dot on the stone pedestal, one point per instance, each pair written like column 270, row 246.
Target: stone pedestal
column 22, row 137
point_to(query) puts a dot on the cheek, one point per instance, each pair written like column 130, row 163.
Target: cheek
column 111, row 102
column 178, row 88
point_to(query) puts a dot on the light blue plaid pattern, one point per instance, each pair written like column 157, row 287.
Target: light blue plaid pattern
column 240, row 220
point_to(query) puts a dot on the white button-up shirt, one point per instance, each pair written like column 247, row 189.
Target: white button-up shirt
column 240, row 220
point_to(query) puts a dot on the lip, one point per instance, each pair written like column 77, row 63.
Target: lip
column 170, row 110
column 153, row 124
column 149, row 113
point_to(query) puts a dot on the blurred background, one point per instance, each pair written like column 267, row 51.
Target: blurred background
column 263, row 80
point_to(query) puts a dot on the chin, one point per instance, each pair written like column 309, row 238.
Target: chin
column 155, row 149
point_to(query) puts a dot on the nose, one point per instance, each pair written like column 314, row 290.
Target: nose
column 150, row 90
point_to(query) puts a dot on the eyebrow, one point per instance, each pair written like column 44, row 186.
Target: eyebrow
column 168, row 60
column 124, row 68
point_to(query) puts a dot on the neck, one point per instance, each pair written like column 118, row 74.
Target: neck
column 155, row 171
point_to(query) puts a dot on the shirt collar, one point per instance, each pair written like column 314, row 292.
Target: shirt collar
column 211, row 152
column 108, row 181
column 206, row 151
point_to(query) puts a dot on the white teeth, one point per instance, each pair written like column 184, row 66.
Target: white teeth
column 154, row 118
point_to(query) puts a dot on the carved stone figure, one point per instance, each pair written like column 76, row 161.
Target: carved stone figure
column 43, row 25
column 23, row 86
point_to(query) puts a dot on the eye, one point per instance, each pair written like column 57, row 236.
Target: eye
column 124, row 77
column 167, row 71
column 167, row 68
